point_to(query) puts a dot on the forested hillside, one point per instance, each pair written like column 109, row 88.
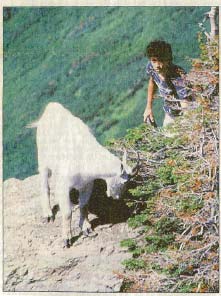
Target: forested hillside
column 90, row 59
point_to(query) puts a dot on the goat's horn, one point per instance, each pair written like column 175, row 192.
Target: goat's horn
column 135, row 169
column 124, row 159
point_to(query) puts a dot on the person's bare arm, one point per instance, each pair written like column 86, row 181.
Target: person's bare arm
column 148, row 112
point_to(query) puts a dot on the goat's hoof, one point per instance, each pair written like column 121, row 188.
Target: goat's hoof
column 47, row 219
column 67, row 243
column 88, row 232
column 51, row 218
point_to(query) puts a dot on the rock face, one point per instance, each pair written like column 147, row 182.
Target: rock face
column 34, row 259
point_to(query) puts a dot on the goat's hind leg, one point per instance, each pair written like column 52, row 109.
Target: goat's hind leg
column 45, row 196
column 62, row 192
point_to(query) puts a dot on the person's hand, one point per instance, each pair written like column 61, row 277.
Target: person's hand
column 148, row 113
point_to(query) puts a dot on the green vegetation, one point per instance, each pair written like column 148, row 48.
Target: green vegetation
column 134, row 264
column 90, row 59
column 176, row 197
column 167, row 225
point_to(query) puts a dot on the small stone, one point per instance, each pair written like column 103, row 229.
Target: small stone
column 13, row 283
column 25, row 272
column 101, row 249
column 78, row 276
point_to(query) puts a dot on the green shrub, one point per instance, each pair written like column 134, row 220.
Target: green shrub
column 189, row 204
column 129, row 243
column 167, row 225
column 134, row 264
column 165, row 173
column 138, row 220
column 160, row 242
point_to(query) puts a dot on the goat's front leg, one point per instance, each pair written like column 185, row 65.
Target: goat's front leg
column 62, row 193
column 84, row 223
column 84, row 196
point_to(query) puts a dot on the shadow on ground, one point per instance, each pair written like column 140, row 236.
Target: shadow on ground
column 105, row 208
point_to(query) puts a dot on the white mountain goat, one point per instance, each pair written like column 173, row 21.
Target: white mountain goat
column 68, row 151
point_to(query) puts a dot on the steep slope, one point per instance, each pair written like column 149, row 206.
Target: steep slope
column 176, row 202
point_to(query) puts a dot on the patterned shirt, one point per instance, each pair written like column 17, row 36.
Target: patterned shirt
column 173, row 90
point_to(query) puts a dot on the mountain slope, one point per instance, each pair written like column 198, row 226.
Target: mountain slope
column 90, row 59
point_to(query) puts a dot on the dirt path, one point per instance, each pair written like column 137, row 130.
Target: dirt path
column 34, row 259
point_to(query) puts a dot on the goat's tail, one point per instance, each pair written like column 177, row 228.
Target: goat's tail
column 32, row 124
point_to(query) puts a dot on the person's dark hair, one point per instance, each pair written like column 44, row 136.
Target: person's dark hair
column 159, row 49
